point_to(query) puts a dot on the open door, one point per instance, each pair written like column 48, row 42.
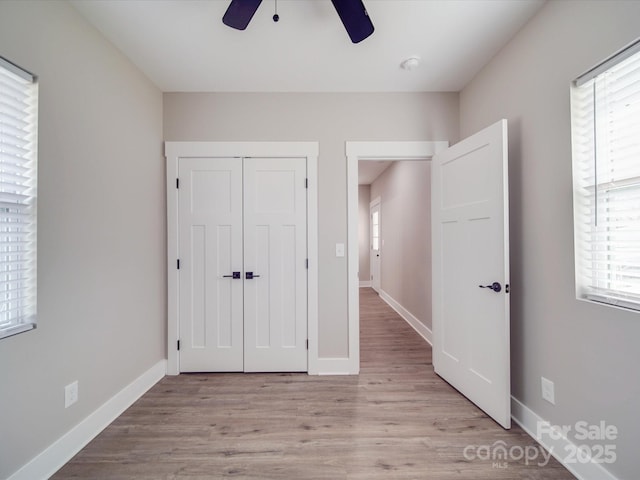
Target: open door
column 470, row 246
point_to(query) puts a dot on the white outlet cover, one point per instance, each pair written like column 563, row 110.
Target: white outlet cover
column 70, row 394
column 548, row 392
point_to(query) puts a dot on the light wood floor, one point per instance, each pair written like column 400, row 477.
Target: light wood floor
column 396, row 420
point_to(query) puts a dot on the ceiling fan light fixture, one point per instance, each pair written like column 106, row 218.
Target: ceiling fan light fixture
column 410, row 63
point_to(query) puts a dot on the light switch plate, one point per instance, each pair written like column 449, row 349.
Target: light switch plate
column 70, row 394
column 548, row 392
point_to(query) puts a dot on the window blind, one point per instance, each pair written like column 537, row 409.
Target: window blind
column 18, row 187
column 606, row 155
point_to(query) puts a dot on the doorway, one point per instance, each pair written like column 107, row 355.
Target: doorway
column 370, row 151
column 470, row 200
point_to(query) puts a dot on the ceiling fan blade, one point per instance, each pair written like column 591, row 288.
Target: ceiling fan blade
column 240, row 13
column 355, row 18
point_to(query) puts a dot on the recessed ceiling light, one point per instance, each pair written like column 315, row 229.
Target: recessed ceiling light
column 410, row 63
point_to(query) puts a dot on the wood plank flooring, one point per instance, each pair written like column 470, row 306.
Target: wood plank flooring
column 396, row 420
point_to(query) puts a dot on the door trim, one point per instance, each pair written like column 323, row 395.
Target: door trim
column 176, row 150
column 356, row 151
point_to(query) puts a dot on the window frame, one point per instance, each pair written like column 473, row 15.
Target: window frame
column 19, row 192
column 587, row 193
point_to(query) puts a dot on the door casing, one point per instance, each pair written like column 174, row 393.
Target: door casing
column 176, row 150
column 357, row 151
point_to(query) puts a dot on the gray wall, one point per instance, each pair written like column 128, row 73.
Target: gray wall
column 101, row 260
column 590, row 351
column 405, row 219
column 364, row 198
column 330, row 119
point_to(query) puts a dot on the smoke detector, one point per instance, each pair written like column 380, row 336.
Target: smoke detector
column 410, row 63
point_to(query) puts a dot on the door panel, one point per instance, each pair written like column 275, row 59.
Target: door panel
column 452, row 345
column 470, row 249
column 246, row 216
column 210, row 246
column 275, row 248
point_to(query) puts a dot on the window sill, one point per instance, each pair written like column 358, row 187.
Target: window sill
column 15, row 330
column 623, row 303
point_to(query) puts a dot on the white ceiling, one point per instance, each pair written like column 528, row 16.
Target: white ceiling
column 369, row 170
column 183, row 46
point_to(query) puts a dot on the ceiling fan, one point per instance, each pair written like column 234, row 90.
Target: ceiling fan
column 353, row 14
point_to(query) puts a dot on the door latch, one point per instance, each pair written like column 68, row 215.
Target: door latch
column 495, row 286
column 250, row 276
column 235, row 275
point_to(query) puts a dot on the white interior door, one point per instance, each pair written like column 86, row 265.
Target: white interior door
column 275, row 255
column 210, row 233
column 471, row 344
column 243, row 277
column 374, row 262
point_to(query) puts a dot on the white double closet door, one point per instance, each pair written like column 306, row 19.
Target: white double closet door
column 242, row 275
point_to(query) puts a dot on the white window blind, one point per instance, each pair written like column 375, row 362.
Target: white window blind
column 605, row 106
column 18, row 176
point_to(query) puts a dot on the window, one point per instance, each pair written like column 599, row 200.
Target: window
column 18, row 161
column 375, row 231
column 605, row 111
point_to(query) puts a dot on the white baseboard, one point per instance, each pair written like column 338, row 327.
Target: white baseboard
column 49, row 461
column 365, row 284
column 559, row 445
column 418, row 326
column 337, row 366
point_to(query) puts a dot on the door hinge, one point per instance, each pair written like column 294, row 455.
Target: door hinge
column 306, row 183
column 306, row 263
column 307, row 344
column 178, row 344
column 177, row 183
column 178, row 264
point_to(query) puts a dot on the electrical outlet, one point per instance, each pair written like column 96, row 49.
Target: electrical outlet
column 70, row 394
column 548, row 390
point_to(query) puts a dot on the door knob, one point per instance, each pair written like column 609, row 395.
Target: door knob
column 250, row 276
column 495, row 286
column 235, row 275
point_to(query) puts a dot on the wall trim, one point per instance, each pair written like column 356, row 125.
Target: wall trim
column 356, row 151
column 407, row 316
column 365, row 284
column 529, row 421
column 337, row 366
column 51, row 459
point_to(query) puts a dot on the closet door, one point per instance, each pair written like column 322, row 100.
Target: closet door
column 275, row 274
column 210, row 251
